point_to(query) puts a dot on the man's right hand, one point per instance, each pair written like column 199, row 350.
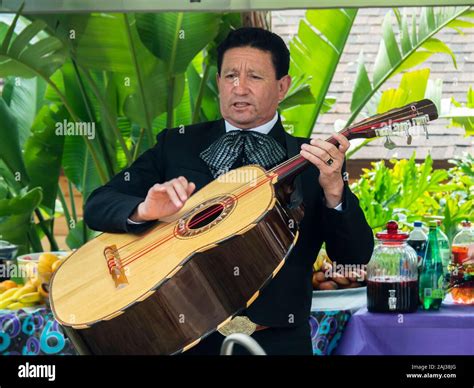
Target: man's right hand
column 163, row 200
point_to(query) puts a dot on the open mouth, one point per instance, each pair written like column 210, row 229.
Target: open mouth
column 240, row 104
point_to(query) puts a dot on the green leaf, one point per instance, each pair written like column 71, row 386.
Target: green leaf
column 413, row 60
column 25, row 98
column 412, row 88
column 79, row 235
column 16, row 218
column 461, row 115
column 43, row 153
column 315, row 53
column 79, row 166
column 176, row 38
column 21, row 204
column 156, row 85
column 10, row 151
column 413, row 50
column 458, row 24
column 362, row 86
column 436, row 46
column 300, row 96
column 210, row 100
column 110, row 42
column 434, row 91
column 405, row 35
column 103, row 43
column 42, row 58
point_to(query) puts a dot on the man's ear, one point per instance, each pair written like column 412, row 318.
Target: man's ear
column 283, row 86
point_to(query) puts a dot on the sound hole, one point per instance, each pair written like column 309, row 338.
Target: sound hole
column 206, row 216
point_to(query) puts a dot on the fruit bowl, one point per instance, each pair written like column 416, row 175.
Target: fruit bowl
column 327, row 277
column 35, row 269
column 28, row 264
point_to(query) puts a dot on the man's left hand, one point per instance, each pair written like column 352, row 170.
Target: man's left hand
column 329, row 160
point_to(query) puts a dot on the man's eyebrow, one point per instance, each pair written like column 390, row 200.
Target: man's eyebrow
column 237, row 70
column 227, row 70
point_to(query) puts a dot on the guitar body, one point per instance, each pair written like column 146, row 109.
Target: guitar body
column 181, row 280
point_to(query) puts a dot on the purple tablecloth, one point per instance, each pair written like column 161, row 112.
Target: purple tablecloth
column 449, row 331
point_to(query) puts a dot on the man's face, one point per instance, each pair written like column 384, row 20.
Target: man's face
column 248, row 89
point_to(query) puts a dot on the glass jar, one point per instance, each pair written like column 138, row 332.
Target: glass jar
column 392, row 273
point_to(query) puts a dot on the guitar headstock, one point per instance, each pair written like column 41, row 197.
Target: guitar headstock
column 409, row 120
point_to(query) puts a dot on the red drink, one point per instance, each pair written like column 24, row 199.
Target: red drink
column 392, row 296
column 460, row 253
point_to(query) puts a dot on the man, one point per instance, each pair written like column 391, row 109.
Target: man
column 252, row 79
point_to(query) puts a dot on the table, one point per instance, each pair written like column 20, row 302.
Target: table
column 448, row 331
column 33, row 331
column 330, row 312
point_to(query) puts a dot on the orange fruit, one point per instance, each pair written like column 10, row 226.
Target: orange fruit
column 7, row 284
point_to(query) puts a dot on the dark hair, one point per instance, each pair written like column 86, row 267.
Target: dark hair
column 260, row 39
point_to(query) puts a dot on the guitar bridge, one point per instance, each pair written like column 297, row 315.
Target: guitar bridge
column 114, row 264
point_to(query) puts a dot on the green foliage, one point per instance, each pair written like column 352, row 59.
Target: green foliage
column 15, row 217
column 315, row 53
column 414, row 44
column 407, row 191
column 462, row 115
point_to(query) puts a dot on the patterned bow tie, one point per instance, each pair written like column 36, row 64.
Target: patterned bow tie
column 253, row 147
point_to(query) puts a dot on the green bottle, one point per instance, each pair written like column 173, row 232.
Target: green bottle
column 431, row 286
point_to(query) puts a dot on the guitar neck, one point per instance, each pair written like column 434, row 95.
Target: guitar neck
column 404, row 121
column 297, row 164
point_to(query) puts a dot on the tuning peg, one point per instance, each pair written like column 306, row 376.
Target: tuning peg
column 425, row 129
column 389, row 144
column 409, row 139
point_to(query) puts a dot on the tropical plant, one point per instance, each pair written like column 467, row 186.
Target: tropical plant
column 408, row 191
column 462, row 115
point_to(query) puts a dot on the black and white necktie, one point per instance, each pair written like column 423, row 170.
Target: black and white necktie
column 253, row 147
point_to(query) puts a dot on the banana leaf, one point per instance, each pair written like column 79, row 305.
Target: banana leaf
column 21, row 58
column 416, row 43
column 16, row 218
column 315, row 53
column 24, row 96
column 175, row 39
column 43, row 153
column 10, row 151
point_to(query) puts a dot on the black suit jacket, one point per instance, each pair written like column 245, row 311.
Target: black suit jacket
column 286, row 301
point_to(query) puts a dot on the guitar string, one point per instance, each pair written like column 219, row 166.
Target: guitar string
column 135, row 256
column 127, row 260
